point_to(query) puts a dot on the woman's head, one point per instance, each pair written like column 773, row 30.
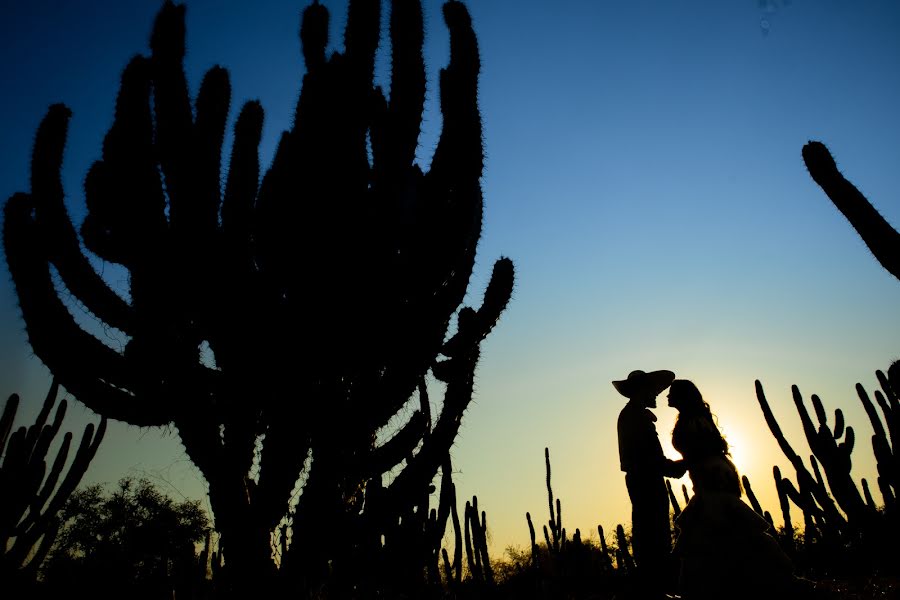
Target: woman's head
column 684, row 396
column 696, row 433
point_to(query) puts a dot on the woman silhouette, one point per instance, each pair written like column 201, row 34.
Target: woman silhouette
column 724, row 547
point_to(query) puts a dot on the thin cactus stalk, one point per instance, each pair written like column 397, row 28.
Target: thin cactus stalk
column 751, row 496
column 480, row 569
column 535, row 550
column 471, row 557
column 606, row 560
column 32, row 496
column 887, row 460
column 555, row 536
column 626, row 561
column 882, row 239
column 325, row 290
column 676, row 508
column 783, row 500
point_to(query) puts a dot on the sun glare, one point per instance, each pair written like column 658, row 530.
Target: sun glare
column 741, row 453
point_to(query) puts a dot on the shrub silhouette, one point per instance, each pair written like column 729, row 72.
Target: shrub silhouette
column 325, row 293
column 133, row 542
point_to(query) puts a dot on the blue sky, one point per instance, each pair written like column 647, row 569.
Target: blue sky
column 643, row 171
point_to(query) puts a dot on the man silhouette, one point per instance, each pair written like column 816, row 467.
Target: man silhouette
column 645, row 466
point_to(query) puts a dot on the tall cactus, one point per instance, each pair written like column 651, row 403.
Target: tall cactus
column 882, row 239
column 326, row 291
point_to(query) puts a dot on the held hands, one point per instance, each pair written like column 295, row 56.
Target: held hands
column 675, row 468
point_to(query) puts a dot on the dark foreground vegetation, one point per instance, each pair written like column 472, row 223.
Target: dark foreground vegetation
column 137, row 542
column 282, row 324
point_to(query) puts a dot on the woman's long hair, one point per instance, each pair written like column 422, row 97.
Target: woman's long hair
column 695, row 429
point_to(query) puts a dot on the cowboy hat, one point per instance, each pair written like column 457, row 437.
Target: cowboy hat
column 641, row 384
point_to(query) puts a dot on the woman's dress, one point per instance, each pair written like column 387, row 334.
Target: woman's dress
column 725, row 548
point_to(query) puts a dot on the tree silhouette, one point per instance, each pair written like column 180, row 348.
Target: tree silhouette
column 133, row 542
column 327, row 294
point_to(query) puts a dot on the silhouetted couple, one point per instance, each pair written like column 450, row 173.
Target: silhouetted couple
column 723, row 548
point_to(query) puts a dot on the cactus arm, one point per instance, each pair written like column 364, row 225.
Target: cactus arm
column 421, row 469
column 213, row 101
column 808, row 427
column 117, row 230
column 891, row 407
column 870, row 502
column 43, row 548
column 820, row 482
column 459, row 153
column 404, row 112
column 37, row 431
column 882, row 239
column 458, row 158
column 399, row 447
column 496, row 298
column 890, row 392
column 819, row 409
column 483, row 548
column 58, row 234
column 447, row 489
column 751, row 496
column 40, row 443
column 314, row 35
column 174, row 121
column 882, row 440
column 6, row 421
column 774, row 427
column 242, row 184
column 53, row 476
column 85, row 366
column 361, row 37
column 470, row 555
column 457, row 540
column 783, row 501
column 870, row 411
column 838, row 423
column 888, row 416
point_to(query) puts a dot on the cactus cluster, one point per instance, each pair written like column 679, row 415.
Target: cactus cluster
column 836, row 514
column 328, row 292
column 567, row 566
column 31, row 496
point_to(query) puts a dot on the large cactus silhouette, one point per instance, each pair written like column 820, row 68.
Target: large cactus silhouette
column 882, row 239
column 326, row 292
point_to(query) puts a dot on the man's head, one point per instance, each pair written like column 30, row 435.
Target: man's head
column 644, row 387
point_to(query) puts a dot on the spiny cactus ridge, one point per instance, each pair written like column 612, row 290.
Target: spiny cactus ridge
column 882, row 239
column 325, row 290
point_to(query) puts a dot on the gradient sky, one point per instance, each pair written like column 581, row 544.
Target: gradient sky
column 643, row 171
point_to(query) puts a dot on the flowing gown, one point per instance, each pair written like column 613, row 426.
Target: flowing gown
column 725, row 548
